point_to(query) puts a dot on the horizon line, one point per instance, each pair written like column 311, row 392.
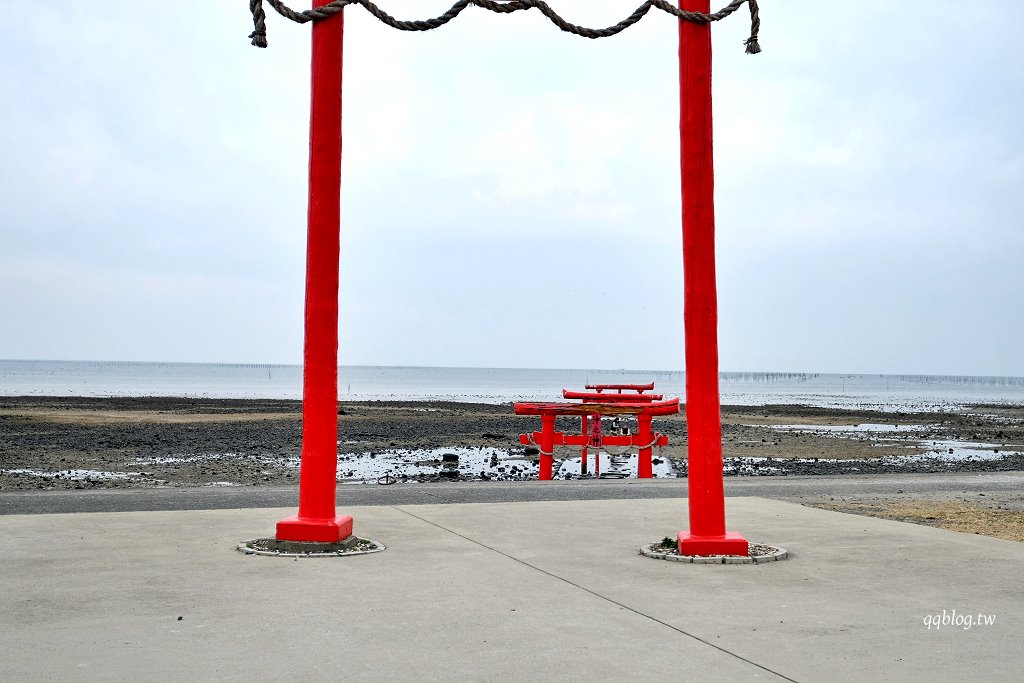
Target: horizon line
column 467, row 367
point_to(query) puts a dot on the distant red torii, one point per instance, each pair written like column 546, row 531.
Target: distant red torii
column 547, row 438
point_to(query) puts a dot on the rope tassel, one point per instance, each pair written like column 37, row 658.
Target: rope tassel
column 259, row 17
column 753, row 47
column 259, row 22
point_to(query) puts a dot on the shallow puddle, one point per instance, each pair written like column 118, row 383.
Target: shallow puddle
column 496, row 464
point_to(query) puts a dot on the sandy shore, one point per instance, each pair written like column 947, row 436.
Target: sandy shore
column 48, row 443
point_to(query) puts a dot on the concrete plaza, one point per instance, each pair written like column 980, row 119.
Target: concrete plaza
column 503, row 591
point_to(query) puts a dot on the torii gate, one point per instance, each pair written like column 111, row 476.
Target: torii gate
column 317, row 519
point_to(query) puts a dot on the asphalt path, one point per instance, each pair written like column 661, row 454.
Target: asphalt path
column 782, row 488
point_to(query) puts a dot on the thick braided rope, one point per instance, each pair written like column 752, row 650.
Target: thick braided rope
column 539, row 447
column 259, row 17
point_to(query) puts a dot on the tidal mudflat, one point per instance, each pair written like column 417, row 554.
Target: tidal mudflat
column 82, row 443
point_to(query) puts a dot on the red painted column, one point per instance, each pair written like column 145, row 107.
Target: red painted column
column 644, row 464
column 584, row 420
column 547, row 446
column 707, row 534
column 317, row 520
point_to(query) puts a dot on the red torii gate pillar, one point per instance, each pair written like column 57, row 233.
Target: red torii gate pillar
column 317, row 520
column 707, row 534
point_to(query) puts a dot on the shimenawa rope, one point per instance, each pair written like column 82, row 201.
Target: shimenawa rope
column 259, row 17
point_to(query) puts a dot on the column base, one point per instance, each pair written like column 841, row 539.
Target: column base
column 546, row 470
column 730, row 543
column 310, row 530
column 645, row 466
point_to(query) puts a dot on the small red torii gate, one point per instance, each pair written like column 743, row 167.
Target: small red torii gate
column 547, row 438
column 317, row 519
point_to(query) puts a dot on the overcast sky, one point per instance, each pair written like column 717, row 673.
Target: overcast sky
column 510, row 193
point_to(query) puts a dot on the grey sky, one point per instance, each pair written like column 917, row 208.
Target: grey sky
column 510, row 193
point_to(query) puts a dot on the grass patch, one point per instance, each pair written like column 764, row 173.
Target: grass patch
column 971, row 519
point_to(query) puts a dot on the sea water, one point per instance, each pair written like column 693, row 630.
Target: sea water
column 492, row 385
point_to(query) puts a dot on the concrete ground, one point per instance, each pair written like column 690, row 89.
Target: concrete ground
column 504, row 591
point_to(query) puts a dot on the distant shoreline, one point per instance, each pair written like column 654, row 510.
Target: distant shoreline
column 894, row 394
